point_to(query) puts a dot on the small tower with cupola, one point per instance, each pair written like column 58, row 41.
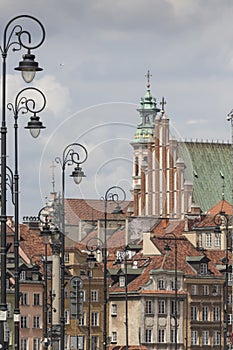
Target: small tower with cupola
column 158, row 173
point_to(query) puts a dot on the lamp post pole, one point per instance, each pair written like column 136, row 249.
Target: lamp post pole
column 122, row 257
column 175, row 315
column 23, row 105
column 28, row 67
column 91, row 261
column 69, row 157
column 222, row 220
column 115, row 194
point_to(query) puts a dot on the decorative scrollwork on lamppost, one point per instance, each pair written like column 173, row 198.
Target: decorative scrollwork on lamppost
column 14, row 37
column 117, row 195
column 73, row 154
column 224, row 224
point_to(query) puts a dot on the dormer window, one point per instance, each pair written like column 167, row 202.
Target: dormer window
column 122, row 281
column 161, row 284
column 23, row 275
column 203, row 268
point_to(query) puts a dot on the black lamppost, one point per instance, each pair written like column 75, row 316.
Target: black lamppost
column 115, row 194
column 122, row 257
column 73, row 154
column 13, row 37
column 168, row 249
column 46, row 234
column 91, row 261
column 223, row 220
column 24, row 105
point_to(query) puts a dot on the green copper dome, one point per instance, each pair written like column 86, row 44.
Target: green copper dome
column 147, row 112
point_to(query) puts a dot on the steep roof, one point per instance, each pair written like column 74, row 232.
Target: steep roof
column 205, row 163
column 90, row 209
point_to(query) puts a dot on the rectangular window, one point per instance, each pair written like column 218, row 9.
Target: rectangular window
column 148, row 335
column 24, row 344
column 114, row 337
column 24, row 322
column 114, row 309
column 81, row 321
column 76, row 342
column 174, row 307
column 95, row 318
column 122, row 281
column 216, row 290
column 217, row 313
column 161, row 284
column 22, row 275
column 194, row 289
column 194, row 337
column 205, row 338
column 161, row 336
column 162, row 307
column 94, row 342
column 36, row 321
column 148, row 307
column 36, row 299
column 217, row 240
column 67, row 258
column 173, row 335
column 208, row 239
column 206, row 290
column 36, row 343
column 194, row 313
column 217, row 337
column 200, row 243
column 203, row 268
column 205, row 313
column 24, row 299
column 94, row 295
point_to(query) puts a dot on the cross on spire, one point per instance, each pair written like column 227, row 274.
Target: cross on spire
column 148, row 75
column 163, row 103
column 53, row 177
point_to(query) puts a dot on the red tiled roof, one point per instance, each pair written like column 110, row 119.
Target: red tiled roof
column 90, row 209
column 31, row 242
column 223, row 205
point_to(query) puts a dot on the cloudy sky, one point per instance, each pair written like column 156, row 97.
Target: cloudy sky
column 95, row 58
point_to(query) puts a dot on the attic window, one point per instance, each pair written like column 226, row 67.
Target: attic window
column 122, row 281
column 203, row 269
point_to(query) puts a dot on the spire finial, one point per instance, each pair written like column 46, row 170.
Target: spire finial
column 163, row 103
column 148, row 75
column 53, row 177
column 223, row 185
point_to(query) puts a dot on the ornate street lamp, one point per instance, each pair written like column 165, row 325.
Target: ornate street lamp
column 21, row 105
column 13, row 37
column 73, row 154
column 115, row 194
